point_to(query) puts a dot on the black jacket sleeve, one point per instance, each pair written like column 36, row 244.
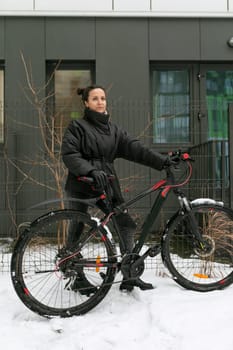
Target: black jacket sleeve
column 71, row 152
column 132, row 149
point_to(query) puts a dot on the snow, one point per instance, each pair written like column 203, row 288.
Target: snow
column 166, row 318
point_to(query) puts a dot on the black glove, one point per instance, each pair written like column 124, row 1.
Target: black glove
column 171, row 161
column 100, row 178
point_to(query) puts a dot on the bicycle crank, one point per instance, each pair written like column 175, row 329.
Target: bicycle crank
column 132, row 266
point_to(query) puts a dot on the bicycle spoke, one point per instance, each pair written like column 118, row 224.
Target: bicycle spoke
column 201, row 269
column 52, row 280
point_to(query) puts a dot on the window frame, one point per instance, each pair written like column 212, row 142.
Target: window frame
column 52, row 132
column 193, row 93
column 66, row 65
column 2, row 108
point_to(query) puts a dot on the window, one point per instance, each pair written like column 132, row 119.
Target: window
column 171, row 106
column 65, row 78
column 1, row 106
column 219, row 93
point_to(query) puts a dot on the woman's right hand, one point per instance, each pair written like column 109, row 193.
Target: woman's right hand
column 100, row 178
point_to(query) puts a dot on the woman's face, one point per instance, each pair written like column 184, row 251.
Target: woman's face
column 97, row 100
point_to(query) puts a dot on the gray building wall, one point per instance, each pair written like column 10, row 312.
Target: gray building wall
column 122, row 49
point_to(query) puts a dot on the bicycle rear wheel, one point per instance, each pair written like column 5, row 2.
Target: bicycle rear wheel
column 201, row 269
column 44, row 271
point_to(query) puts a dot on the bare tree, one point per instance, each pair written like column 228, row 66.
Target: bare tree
column 50, row 128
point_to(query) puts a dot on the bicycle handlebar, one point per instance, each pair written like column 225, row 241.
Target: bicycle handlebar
column 177, row 156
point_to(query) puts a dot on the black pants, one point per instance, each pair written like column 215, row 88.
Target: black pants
column 125, row 223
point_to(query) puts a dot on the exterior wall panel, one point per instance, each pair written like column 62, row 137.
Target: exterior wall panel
column 131, row 5
column 122, row 66
column 73, row 5
column 23, row 36
column 2, row 38
column 122, row 49
column 70, row 38
column 171, row 39
column 189, row 6
column 230, row 2
column 16, row 5
column 214, row 37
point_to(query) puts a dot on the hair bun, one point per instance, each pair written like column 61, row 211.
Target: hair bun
column 80, row 91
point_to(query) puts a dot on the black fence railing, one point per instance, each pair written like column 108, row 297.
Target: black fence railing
column 211, row 171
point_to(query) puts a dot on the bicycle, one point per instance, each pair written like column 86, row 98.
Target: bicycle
column 196, row 248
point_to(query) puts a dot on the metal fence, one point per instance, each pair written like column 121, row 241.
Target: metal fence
column 5, row 258
column 210, row 179
column 211, row 176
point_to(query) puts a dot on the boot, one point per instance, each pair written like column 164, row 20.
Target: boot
column 128, row 285
column 128, row 231
column 82, row 285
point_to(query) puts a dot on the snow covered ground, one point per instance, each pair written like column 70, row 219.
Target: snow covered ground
column 166, row 318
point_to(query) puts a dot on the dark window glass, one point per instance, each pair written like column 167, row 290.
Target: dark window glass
column 65, row 78
column 219, row 93
column 171, row 106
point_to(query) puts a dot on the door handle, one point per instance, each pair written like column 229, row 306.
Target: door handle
column 200, row 115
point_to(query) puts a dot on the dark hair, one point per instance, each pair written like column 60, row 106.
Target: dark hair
column 84, row 92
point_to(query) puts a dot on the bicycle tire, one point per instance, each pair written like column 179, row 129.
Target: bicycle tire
column 40, row 276
column 191, row 267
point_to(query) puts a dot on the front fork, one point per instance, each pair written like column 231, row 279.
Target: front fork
column 200, row 242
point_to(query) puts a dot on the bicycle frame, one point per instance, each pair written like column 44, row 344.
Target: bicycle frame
column 153, row 213
column 163, row 187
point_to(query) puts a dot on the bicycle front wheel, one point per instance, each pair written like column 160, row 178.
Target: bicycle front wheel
column 53, row 280
column 201, row 269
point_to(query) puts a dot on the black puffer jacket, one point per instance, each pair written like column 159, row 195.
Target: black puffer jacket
column 94, row 143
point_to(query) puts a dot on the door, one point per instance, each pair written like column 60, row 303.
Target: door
column 190, row 102
column 190, row 111
column 216, row 92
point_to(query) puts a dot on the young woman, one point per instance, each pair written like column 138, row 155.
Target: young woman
column 90, row 146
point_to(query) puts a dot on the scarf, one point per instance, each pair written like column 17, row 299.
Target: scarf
column 99, row 120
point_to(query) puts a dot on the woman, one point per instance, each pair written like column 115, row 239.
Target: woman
column 90, row 146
